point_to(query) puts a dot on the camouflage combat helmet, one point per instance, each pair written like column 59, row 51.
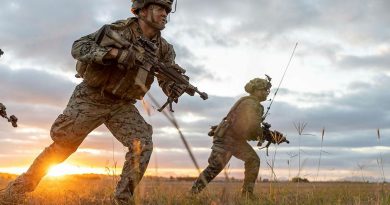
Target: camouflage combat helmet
column 257, row 84
column 139, row 4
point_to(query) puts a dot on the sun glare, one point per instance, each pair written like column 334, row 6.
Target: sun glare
column 67, row 169
column 191, row 117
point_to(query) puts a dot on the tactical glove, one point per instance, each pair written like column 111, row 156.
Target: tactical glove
column 127, row 58
column 175, row 90
column 274, row 137
column 212, row 130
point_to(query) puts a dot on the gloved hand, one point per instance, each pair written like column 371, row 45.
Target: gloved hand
column 274, row 137
column 175, row 90
column 212, row 130
column 127, row 58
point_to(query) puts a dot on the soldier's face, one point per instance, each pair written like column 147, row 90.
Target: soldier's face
column 156, row 16
column 262, row 94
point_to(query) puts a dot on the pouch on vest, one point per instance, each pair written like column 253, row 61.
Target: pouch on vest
column 94, row 75
column 81, row 68
column 219, row 130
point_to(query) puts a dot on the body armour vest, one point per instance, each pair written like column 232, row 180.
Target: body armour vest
column 121, row 82
column 243, row 119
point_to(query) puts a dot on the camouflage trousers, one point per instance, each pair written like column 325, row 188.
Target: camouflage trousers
column 87, row 109
column 221, row 153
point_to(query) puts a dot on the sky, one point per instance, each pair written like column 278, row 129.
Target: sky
column 337, row 82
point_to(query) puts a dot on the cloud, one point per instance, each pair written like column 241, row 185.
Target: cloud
column 42, row 32
column 34, row 86
column 336, row 41
column 187, row 60
column 379, row 62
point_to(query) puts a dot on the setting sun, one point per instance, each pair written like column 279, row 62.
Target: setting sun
column 67, row 169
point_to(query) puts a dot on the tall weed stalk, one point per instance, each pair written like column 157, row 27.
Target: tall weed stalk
column 319, row 160
column 380, row 160
column 300, row 127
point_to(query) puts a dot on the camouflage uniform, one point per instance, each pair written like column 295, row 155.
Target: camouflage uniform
column 230, row 139
column 96, row 101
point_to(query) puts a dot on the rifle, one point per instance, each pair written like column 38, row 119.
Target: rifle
column 12, row 119
column 148, row 64
column 172, row 73
column 274, row 137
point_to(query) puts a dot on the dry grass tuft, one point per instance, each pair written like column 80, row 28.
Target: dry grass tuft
column 98, row 189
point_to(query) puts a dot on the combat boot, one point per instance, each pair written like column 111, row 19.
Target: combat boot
column 194, row 191
column 247, row 192
column 196, row 188
column 14, row 193
column 118, row 201
column 249, row 196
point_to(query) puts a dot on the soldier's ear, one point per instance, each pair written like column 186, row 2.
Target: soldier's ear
column 143, row 12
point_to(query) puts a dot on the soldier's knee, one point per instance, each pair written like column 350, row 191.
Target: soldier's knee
column 145, row 132
column 149, row 130
column 65, row 131
column 257, row 164
column 255, row 161
column 215, row 166
column 148, row 147
column 61, row 127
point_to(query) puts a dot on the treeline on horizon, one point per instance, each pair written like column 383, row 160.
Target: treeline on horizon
column 92, row 176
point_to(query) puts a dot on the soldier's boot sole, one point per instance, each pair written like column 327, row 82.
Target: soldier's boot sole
column 8, row 198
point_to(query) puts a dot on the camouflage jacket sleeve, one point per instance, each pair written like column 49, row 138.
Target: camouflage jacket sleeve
column 248, row 119
column 168, row 58
column 87, row 50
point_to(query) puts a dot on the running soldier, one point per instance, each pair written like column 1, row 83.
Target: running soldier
column 242, row 123
column 108, row 62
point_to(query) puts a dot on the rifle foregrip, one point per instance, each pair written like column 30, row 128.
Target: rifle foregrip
column 162, row 107
column 168, row 102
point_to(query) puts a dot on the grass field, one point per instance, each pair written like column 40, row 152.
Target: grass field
column 98, row 189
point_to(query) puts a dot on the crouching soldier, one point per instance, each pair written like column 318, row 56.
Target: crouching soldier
column 242, row 123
